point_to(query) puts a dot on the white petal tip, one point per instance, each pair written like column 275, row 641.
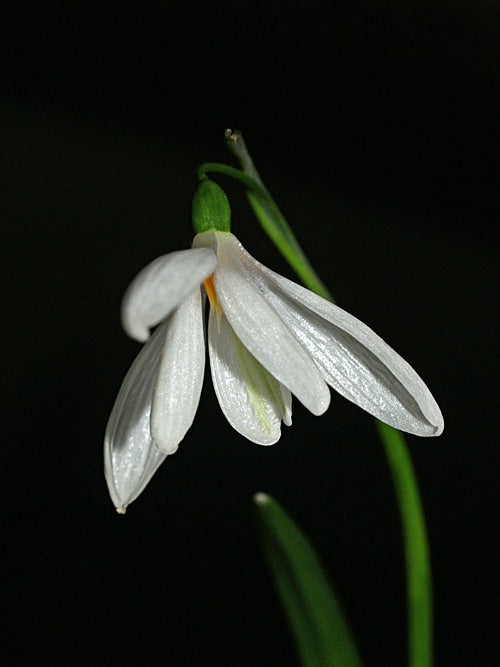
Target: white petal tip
column 438, row 429
column 135, row 331
column 167, row 448
column 433, row 425
column 261, row 498
column 322, row 404
column 121, row 510
column 263, row 441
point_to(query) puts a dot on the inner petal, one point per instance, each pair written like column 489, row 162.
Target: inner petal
column 252, row 400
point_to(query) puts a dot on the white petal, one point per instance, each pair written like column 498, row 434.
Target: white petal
column 130, row 456
column 286, row 397
column 250, row 398
column 258, row 326
column 161, row 286
column 354, row 360
column 180, row 375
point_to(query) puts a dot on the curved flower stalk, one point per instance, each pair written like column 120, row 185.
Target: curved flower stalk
column 268, row 338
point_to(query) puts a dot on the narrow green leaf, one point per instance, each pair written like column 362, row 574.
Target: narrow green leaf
column 418, row 570
column 313, row 611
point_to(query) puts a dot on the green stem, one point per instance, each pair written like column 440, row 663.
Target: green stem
column 221, row 168
column 418, row 570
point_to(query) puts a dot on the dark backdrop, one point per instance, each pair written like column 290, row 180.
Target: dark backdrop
column 372, row 124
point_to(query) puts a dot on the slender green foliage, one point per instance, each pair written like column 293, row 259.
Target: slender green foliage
column 311, row 606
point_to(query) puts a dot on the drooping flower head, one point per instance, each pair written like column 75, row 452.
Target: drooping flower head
column 268, row 339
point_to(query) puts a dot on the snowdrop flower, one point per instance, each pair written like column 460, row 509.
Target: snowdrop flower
column 268, row 339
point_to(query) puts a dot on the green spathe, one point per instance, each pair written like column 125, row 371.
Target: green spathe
column 210, row 210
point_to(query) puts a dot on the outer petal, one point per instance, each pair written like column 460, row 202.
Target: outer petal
column 354, row 360
column 250, row 398
column 180, row 375
column 259, row 327
column 130, row 456
column 161, row 286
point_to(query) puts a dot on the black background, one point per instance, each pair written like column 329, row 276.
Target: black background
column 373, row 125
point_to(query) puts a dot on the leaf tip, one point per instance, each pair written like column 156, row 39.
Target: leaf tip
column 261, row 498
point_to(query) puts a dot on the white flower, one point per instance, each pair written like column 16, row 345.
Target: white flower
column 268, row 338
